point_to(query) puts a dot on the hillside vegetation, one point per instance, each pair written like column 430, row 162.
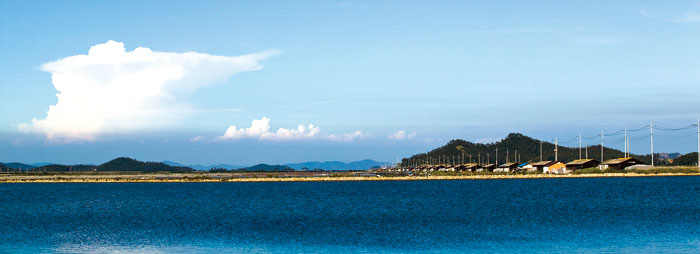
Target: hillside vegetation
column 528, row 150
column 118, row 164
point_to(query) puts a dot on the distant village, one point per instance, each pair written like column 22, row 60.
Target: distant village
column 546, row 167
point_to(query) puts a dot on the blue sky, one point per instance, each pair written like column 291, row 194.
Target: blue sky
column 357, row 71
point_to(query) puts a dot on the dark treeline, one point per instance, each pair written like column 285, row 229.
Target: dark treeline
column 686, row 159
column 528, row 150
column 255, row 168
column 118, row 164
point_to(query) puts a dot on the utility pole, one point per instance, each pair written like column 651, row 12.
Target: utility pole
column 496, row 155
column 479, row 158
column 586, row 150
column 698, row 142
column 626, row 147
column 651, row 129
column 470, row 158
column 541, row 150
column 507, row 155
column 515, row 158
column 579, row 146
column 488, row 158
column 556, row 149
column 602, row 156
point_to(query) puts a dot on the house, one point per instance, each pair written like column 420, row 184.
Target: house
column 543, row 166
column 466, row 167
column 507, row 167
column 486, row 167
column 619, row 163
column 556, row 168
column 581, row 164
column 525, row 166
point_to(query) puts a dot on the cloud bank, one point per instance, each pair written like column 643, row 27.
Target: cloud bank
column 111, row 90
column 347, row 137
column 260, row 129
column 402, row 135
column 676, row 17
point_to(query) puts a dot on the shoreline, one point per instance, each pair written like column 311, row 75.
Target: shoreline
column 192, row 178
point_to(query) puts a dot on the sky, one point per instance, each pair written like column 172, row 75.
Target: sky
column 244, row 82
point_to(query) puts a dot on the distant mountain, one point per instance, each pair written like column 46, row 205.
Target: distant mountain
column 18, row 165
column 42, row 164
column 337, row 165
column 528, row 150
column 129, row 164
column 65, row 168
column 327, row 165
column 690, row 159
column 203, row 167
column 266, row 167
column 669, row 155
column 118, row 164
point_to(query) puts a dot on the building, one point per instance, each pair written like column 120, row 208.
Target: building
column 556, row 168
column 581, row 164
column 470, row 167
column 543, row 166
column 506, row 167
column 525, row 166
column 486, row 167
column 619, row 163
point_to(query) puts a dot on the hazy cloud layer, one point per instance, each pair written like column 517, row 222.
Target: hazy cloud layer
column 347, row 137
column 682, row 14
column 111, row 90
column 402, row 135
column 260, row 129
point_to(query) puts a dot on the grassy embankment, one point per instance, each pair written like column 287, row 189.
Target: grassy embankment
column 311, row 176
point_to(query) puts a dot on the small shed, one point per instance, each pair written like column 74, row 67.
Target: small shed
column 524, row 166
column 557, row 168
column 543, row 166
column 469, row 167
column 506, row 167
column 486, row 167
column 619, row 163
column 581, row 164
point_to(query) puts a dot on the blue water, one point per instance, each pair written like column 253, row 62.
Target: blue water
column 655, row 214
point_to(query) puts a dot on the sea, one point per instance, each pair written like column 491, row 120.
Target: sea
column 580, row 215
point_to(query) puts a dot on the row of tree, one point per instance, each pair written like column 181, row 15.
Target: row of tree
column 527, row 150
column 122, row 164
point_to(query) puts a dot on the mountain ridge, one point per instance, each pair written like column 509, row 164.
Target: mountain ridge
column 527, row 148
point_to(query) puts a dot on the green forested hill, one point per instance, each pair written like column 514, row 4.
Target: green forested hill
column 118, row 164
column 129, row 164
column 527, row 148
column 686, row 160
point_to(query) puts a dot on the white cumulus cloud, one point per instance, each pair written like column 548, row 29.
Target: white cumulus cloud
column 260, row 129
column 347, row 137
column 196, row 138
column 111, row 90
column 402, row 135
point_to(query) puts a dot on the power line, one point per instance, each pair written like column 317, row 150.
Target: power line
column 640, row 129
column 656, row 127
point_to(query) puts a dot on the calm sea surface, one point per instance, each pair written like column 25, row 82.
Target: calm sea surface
column 654, row 214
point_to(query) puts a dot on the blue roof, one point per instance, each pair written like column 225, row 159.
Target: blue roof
column 524, row 164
